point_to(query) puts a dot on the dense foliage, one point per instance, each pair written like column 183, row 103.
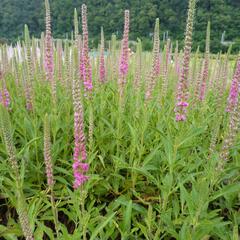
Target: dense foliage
column 150, row 179
column 224, row 15
column 120, row 145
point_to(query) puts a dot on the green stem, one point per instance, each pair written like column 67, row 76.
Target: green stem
column 55, row 212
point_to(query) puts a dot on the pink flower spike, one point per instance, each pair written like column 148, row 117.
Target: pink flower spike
column 234, row 90
column 102, row 72
column 183, row 104
column 79, row 180
column 87, row 70
column 180, row 117
column 182, row 90
column 84, row 167
column 76, row 165
column 48, row 61
column 81, row 167
column 5, row 98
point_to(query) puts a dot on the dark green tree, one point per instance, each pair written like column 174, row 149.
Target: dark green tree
column 223, row 14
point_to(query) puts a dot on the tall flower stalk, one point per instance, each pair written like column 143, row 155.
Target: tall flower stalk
column 34, row 56
column 218, row 105
column 5, row 59
column 87, row 71
column 29, row 70
column 138, row 76
column 206, row 66
column 16, row 68
column 198, row 81
column 176, row 60
column 194, row 72
column 234, row 91
column 113, row 57
column 219, row 85
column 11, row 151
column 49, row 168
column 80, row 153
column 225, row 73
column 102, row 71
column 231, row 133
column 182, row 91
column 234, row 114
column 217, row 80
column 165, row 72
column 155, row 63
column 78, row 45
column 80, row 57
column 76, row 27
column 49, row 62
column 42, row 58
column 60, row 61
column 67, row 64
column 214, row 73
column 138, row 66
column 123, row 67
column 5, row 96
column 47, row 153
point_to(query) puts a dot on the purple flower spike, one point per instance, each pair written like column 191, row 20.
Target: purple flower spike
column 234, row 91
column 87, row 70
column 182, row 91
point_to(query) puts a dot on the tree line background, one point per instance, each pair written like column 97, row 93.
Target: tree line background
column 223, row 14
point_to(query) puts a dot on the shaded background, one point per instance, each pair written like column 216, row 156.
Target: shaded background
column 223, row 14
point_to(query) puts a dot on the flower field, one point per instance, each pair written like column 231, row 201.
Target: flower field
column 121, row 144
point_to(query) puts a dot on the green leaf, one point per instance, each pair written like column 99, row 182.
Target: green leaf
column 235, row 233
column 101, row 226
column 233, row 188
column 127, row 218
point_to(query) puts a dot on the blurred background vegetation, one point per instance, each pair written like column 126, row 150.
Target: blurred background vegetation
column 223, row 14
